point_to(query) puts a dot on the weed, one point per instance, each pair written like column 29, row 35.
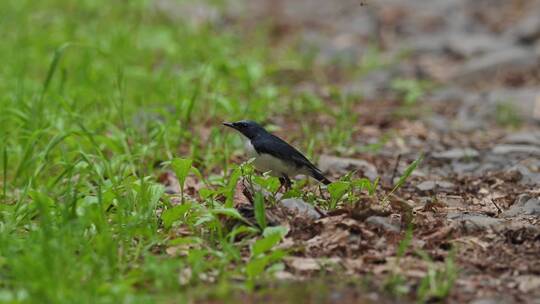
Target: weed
column 437, row 283
column 507, row 115
column 406, row 174
column 348, row 189
column 396, row 283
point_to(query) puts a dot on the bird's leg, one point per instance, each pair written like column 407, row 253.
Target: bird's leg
column 285, row 182
column 281, row 184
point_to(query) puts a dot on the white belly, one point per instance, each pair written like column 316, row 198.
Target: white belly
column 269, row 163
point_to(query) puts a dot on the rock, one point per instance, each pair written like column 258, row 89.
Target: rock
column 513, row 59
column 301, row 208
column 310, row 264
column 457, row 153
column 527, row 30
column 383, row 222
column 527, row 177
column 303, row 264
column 527, row 138
column 341, row 165
column 371, row 86
column 528, row 283
column 464, row 167
column 476, row 222
column 467, row 45
column 431, row 185
column 524, row 205
column 525, row 101
column 516, row 149
column 488, row 301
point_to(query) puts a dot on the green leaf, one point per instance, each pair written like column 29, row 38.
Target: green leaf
column 265, row 244
column 181, row 167
column 205, row 193
column 242, row 230
column 256, row 266
column 280, row 230
column 231, row 186
column 260, row 214
column 173, row 214
column 405, row 175
column 337, row 190
column 230, row 212
column 269, row 183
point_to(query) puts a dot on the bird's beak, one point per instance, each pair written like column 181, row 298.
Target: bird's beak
column 229, row 124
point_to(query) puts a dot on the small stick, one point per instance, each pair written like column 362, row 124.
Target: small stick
column 395, row 169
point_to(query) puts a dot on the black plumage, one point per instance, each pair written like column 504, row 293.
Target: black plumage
column 274, row 154
column 277, row 147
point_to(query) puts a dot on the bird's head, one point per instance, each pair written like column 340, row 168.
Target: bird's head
column 248, row 128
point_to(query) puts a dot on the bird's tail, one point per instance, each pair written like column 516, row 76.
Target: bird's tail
column 317, row 174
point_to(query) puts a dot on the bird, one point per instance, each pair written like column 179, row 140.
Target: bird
column 273, row 154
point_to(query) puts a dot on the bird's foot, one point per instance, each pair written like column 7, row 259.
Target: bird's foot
column 285, row 182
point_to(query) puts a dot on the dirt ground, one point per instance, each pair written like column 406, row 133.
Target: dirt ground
column 476, row 194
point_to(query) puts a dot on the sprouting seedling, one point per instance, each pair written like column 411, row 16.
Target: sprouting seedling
column 181, row 167
column 395, row 283
column 404, row 177
column 337, row 190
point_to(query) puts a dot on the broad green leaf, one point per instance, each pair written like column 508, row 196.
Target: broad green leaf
column 181, row 167
column 205, row 193
column 280, row 230
column 231, row 186
column 260, row 214
column 242, row 230
column 265, row 244
column 230, row 212
column 256, row 266
column 338, row 189
column 171, row 215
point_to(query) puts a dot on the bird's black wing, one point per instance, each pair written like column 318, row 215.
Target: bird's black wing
column 277, row 147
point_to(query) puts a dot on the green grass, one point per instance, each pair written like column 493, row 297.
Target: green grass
column 93, row 94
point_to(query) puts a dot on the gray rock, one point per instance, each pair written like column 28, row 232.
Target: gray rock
column 456, row 153
column 516, row 149
column 438, row 185
column 528, row 138
column 524, row 205
column 383, row 222
column 476, row 222
column 464, row 167
column 301, row 208
column 528, row 177
column 525, row 101
column 467, row 45
column 527, row 30
column 371, row 86
column 514, row 59
column 488, row 301
column 340, row 164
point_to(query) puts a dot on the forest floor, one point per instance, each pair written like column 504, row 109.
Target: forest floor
column 119, row 184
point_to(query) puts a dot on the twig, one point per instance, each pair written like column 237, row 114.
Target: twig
column 394, row 172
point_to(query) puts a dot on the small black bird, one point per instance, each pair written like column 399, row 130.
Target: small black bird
column 273, row 154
